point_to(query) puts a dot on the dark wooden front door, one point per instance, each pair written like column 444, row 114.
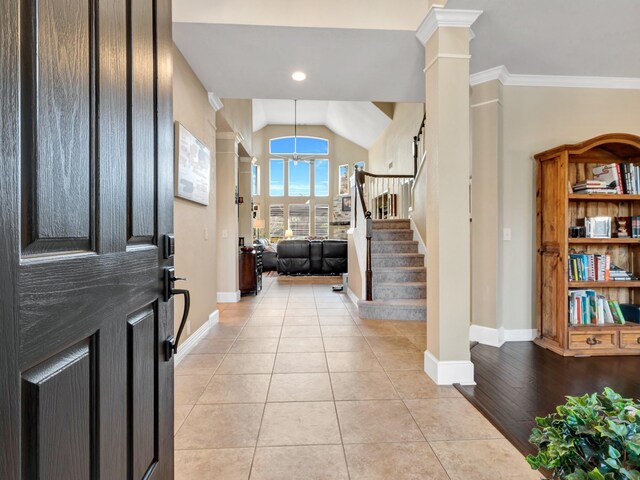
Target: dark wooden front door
column 85, row 200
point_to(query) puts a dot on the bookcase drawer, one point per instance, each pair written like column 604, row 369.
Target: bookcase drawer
column 630, row 340
column 592, row 341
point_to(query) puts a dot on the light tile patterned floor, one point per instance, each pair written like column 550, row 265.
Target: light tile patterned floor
column 293, row 385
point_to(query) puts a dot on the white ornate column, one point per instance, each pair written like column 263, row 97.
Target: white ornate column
column 445, row 34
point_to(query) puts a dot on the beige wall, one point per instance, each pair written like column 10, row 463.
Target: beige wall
column 536, row 119
column 395, row 145
column 341, row 151
column 194, row 224
column 486, row 123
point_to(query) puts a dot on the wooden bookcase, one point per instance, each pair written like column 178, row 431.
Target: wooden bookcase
column 557, row 210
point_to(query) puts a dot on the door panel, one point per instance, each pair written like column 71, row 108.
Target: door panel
column 551, row 228
column 86, row 174
column 142, row 384
column 142, row 181
column 58, row 410
column 56, row 125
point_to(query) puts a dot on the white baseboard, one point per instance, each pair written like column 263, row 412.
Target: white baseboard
column 229, row 297
column 448, row 372
column 520, row 335
column 496, row 337
column 185, row 347
column 486, row 335
column 352, row 296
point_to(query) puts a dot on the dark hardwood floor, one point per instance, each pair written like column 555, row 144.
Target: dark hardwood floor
column 520, row 380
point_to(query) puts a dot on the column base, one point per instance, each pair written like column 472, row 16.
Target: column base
column 448, row 372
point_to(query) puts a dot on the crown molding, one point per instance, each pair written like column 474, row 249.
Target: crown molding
column 497, row 73
column 515, row 79
column 440, row 17
column 215, row 102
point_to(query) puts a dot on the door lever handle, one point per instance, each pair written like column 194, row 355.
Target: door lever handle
column 171, row 343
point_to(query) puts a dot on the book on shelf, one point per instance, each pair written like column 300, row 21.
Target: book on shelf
column 595, row 186
column 592, row 267
column 613, row 178
column 586, row 307
column 610, row 175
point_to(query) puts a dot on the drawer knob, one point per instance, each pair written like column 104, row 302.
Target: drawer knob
column 595, row 341
column 638, row 339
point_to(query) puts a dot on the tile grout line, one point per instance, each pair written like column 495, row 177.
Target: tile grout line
column 252, row 312
column 412, row 416
column 335, row 409
column 264, row 407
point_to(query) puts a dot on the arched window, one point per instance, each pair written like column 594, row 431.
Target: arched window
column 300, row 145
column 304, row 159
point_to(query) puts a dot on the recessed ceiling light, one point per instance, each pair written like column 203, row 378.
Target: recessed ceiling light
column 299, row 76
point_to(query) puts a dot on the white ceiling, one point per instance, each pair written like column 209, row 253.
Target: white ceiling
column 360, row 122
column 240, row 61
column 551, row 37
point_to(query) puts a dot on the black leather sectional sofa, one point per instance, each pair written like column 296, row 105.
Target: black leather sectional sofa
column 315, row 257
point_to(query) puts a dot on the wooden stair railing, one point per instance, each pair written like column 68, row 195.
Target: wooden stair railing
column 390, row 196
column 385, row 193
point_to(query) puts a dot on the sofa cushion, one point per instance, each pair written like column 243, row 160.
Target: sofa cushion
column 293, row 257
column 315, row 257
column 334, row 257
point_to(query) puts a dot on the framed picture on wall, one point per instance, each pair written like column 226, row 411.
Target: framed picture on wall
column 343, row 179
column 346, row 204
column 193, row 167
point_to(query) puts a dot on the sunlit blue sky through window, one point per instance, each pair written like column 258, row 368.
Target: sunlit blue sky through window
column 299, row 173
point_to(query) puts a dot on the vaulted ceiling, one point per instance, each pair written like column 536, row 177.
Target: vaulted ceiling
column 360, row 122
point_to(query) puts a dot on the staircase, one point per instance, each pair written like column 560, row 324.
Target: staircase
column 399, row 276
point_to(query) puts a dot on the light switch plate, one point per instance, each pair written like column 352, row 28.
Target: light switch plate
column 506, row 234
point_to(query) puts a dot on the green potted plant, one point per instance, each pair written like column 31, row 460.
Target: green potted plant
column 593, row 437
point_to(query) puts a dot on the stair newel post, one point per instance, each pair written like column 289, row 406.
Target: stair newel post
column 369, row 273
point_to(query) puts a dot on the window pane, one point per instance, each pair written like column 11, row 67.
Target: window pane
column 321, row 180
column 299, row 179
column 276, row 178
column 299, row 220
column 313, row 145
column 255, row 180
column 276, row 222
column 306, row 145
column 322, row 221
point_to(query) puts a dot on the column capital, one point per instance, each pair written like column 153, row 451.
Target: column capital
column 441, row 17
